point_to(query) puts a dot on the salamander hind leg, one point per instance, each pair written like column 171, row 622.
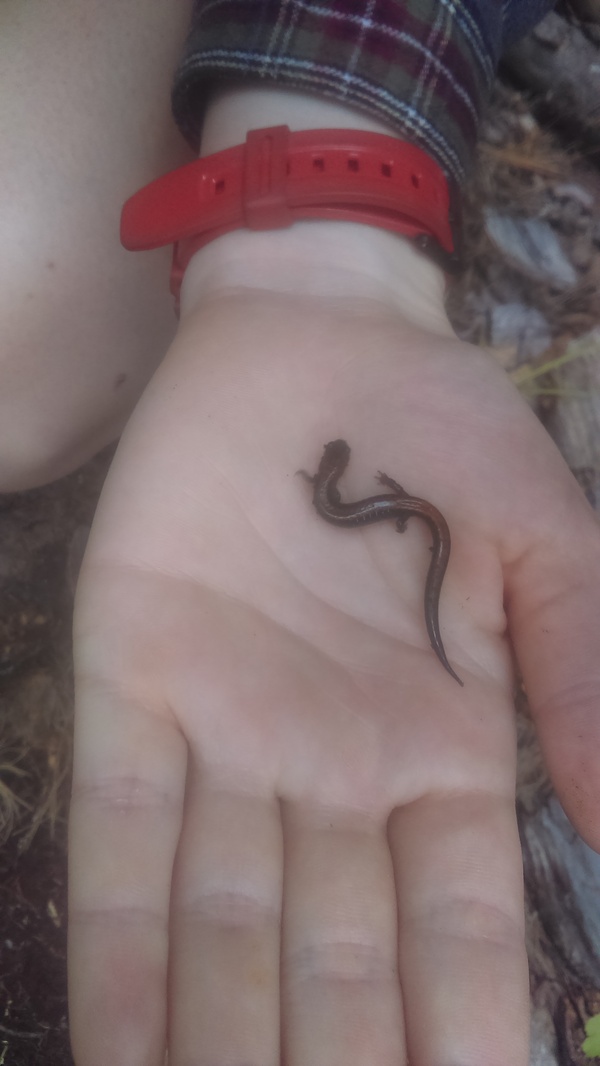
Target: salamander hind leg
column 385, row 479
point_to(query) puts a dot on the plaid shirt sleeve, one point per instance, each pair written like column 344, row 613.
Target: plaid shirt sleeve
column 425, row 67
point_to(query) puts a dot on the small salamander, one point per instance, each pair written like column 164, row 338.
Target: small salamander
column 397, row 505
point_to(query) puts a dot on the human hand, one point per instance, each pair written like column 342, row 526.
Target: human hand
column 293, row 835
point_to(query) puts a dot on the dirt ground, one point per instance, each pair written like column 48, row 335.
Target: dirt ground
column 42, row 534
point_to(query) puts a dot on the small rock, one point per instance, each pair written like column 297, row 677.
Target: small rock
column 527, row 122
column 532, row 247
column 551, row 31
column 569, row 190
column 491, row 133
column 515, row 323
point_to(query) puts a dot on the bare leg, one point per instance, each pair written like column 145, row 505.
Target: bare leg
column 84, row 121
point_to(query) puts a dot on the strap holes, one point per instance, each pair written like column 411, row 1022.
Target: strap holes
column 220, row 186
column 386, row 170
column 416, row 180
column 353, row 165
column 318, row 163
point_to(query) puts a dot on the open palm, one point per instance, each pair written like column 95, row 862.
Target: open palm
column 293, row 833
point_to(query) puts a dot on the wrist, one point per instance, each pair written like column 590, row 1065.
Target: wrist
column 328, row 260
column 343, row 260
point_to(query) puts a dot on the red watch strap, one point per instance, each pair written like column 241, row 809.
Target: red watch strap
column 278, row 177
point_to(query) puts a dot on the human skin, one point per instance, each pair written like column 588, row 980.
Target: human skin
column 293, row 836
column 84, row 121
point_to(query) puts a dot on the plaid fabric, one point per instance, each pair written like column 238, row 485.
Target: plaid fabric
column 423, row 66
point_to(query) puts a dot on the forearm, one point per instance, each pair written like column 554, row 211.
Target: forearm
column 425, row 67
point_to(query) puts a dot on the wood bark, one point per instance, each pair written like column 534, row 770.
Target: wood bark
column 561, row 67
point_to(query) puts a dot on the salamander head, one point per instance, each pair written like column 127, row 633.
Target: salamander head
column 336, row 455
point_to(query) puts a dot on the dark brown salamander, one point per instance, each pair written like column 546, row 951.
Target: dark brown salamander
column 397, row 505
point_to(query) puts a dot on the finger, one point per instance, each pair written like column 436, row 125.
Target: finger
column 126, row 810
column 553, row 605
column 463, row 966
column 226, row 921
column 340, row 991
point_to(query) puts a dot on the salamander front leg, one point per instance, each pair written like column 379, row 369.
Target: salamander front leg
column 385, row 479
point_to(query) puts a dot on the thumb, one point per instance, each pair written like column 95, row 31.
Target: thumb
column 553, row 608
